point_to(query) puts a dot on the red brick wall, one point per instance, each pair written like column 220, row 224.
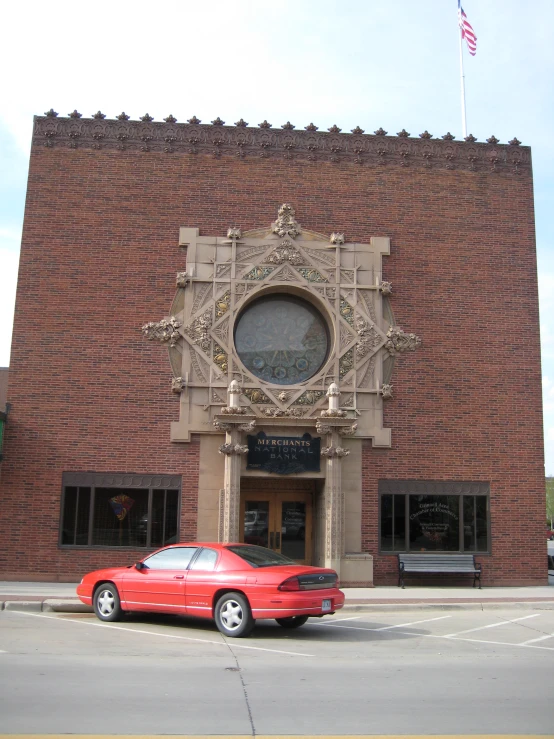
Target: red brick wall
column 98, row 260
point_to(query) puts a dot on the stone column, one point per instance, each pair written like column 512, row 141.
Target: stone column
column 333, row 425
column 233, row 421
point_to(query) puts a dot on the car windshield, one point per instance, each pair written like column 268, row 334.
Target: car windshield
column 259, row 556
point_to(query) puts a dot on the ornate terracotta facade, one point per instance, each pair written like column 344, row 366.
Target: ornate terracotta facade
column 388, row 258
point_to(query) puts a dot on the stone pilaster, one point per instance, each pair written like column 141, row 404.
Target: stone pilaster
column 333, row 425
column 234, row 422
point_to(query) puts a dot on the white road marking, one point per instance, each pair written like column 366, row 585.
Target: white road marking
column 477, row 641
column 492, row 626
column 337, row 625
column 412, row 623
column 167, row 636
column 532, row 641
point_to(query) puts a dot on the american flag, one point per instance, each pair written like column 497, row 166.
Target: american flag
column 467, row 31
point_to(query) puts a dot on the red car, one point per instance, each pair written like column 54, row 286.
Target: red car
column 235, row 584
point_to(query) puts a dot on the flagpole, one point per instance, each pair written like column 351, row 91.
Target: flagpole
column 462, row 77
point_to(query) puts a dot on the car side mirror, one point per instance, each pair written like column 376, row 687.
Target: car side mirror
column 140, row 566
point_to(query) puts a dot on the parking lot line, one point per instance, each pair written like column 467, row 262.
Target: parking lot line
column 166, row 636
column 539, row 638
column 338, row 625
column 492, row 626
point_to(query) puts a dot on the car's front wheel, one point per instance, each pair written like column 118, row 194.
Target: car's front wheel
column 233, row 616
column 292, row 622
column 106, row 603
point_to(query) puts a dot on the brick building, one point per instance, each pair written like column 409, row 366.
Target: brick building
column 324, row 342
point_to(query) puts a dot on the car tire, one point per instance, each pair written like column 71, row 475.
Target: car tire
column 106, row 602
column 292, row 622
column 233, row 616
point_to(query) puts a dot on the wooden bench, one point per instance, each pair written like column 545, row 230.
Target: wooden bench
column 431, row 563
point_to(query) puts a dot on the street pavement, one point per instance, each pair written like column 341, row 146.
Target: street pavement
column 61, row 597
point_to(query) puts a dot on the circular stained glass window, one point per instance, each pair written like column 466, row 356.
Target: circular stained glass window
column 282, row 339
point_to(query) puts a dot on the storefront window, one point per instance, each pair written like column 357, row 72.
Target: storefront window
column 119, row 516
column 421, row 519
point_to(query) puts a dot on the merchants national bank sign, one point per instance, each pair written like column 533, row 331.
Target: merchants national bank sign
column 283, row 341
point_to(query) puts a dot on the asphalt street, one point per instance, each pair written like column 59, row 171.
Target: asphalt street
column 430, row 672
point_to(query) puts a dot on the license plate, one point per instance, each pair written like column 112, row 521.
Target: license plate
column 326, row 605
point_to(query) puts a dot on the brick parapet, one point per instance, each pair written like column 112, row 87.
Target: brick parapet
column 286, row 143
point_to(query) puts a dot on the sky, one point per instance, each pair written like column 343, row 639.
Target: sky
column 374, row 63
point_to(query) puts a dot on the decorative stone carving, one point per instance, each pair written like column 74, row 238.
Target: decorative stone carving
column 190, row 137
column 398, row 341
column 256, row 396
column 164, row 330
column 312, row 275
column 178, row 384
column 333, row 413
column 346, row 363
column 285, row 225
column 348, row 430
column 308, row 398
column 278, row 413
column 233, row 411
column 323, row 428
column 199, row 331
column 221, row 426
column 347, row 312
column 259, row 273
column 233, row 232
column 368, row 338
column 337, row 239
column 222, row 305
column 386, row 391
column 233, row 449
column 334, row 451
column 385, row 287
column 247, row 427
column 286, row 252
column 182, row 279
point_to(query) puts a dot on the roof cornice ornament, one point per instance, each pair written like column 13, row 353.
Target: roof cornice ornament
column 191, row 138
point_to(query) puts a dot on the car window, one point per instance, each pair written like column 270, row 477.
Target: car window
column 259, row 556
column 205, row 561
column 176, row 558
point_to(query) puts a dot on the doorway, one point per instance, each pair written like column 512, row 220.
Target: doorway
column 280, row 521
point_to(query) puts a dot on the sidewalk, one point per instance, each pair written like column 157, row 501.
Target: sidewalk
column 60, row 597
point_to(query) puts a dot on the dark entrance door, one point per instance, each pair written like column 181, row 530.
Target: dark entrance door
column 279, row 521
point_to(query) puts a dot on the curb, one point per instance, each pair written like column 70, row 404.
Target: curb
column 477, row 605
column 65, row 605
column 47, row 604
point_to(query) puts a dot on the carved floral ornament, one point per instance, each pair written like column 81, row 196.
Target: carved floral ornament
column 170, row 136
column 223, row 278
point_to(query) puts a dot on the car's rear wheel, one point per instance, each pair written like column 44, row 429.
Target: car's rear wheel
column 233, row 616
column 106, row 603
column 292, row 622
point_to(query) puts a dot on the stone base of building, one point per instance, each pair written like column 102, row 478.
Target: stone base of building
column 356, row 570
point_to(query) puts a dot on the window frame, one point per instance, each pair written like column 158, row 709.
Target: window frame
column 120, row 481
column 408, row 488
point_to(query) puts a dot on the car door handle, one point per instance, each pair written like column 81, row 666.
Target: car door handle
column 178, row 577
